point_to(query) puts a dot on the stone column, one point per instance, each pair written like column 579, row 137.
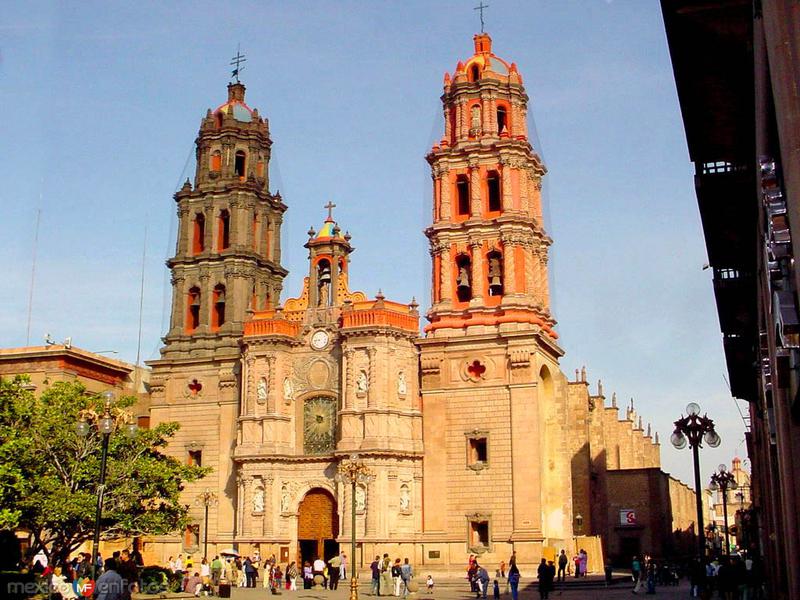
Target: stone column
column 446, row 261
column 448, row 130
column 239, row 505
column 529, row 269
column 486, row 126
column 234, row 214
column 210, row 231
column 179, row 300
column 463, row 132
column 516, row 118
column 347, row 400
column 275, row 240
column 474, row 189
column 271, row 387
column 268, row 517
column 246, row 401
column 185, row 230
column 372, row 507
column 205, row 303
column 537, row 276
column 492, row 115
column 372, row 393
column 508, row 198
column 523, row 113
column 509, row 267
column 535, row 198
column 524, row 189
column 444, row 192
column 263, row 247
column 545, row 281
column 247, row 506
column 478, row 283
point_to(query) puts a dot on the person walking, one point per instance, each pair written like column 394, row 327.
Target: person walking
column 396, row 576
column 584, row 562
column 406, row 574
column 562, row 565
column 334, row 569
column 483, row 582
column 343, row 566
column 216, row 571
column 386, row 575
column 513, row 580
column 375, row 568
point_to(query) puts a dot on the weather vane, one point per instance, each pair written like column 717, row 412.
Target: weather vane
column 237, row 62
column 480, row 7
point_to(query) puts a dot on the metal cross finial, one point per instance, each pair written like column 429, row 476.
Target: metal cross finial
column 330, row 206
column 480, row 7
column 237, row 62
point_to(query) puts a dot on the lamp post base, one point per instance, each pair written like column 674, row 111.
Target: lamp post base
column 354, row 588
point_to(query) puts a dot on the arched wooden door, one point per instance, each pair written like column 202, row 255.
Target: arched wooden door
column 317, row 526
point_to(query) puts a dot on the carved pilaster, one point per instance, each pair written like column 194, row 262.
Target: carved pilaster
column 271, row 387
column 508, row 199
column 474, row 189
column 445, row 191
column 372, row 393
column 446, row 273
column 347, row 401
column 249, row 386
column 477, row 271
column 509, row 260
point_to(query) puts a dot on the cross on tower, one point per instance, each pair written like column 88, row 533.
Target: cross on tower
column 237, row 62
column 480, row 7
column 330, row 206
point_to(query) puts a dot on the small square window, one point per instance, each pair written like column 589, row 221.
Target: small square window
column 196, row 458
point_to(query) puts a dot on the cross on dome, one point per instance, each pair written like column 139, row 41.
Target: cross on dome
column 330, row 206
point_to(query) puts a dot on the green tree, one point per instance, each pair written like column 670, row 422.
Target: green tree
column 49, row 474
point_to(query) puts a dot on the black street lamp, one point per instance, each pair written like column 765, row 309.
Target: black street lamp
column 695, row 429
column 206, row 499
column 104, row 424
column 353, row 471
column 723, row 481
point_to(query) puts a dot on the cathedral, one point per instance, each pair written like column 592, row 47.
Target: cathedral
column 476, row 441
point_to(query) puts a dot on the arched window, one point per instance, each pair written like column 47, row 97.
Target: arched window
column 239, row 163
column 216, row 161
column 493, row 187
column 199, row 234
column 474, row 73
column 224, row 233
column 193, row 310
column 463, row 278
column 494, row 260
column 218, row 310
column 462, row 195
column 502, row 119
column 323, row 283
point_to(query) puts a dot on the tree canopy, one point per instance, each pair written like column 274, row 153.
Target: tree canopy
column 49, row 474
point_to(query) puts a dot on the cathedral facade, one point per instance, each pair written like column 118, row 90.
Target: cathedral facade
column 477, row 442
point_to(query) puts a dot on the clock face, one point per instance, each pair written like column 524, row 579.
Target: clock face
column 319, row 425
column 320, row 339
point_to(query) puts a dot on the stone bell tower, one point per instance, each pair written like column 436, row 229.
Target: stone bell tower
column 226, row 264
column 489, row 358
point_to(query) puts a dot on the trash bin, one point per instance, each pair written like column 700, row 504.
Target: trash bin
column 609, row 574
column 224, row 590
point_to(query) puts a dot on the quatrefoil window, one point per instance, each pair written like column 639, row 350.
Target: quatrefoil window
column 476, row 369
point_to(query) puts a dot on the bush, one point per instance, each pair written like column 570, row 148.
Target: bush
column 156, row 579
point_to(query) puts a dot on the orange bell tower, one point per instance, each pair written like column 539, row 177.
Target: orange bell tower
column 490, row 378
column 487, row 240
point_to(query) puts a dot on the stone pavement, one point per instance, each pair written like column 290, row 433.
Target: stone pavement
column 452, row 589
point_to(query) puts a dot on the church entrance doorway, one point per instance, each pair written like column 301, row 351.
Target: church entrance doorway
column 317, row 526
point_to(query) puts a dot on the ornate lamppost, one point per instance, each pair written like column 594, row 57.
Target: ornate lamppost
column 695, row 429
column 206, row 499
column 112, row 418
column 353, row 471
column 723, row 481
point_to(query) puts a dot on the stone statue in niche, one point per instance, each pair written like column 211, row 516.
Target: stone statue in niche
column 402, row 388
column 361, row 498
column 362, row 384
column 284, row 499
column 405, row 498
column 288, row 390
column 475, row 120
column 258, row 500
column 261, row 390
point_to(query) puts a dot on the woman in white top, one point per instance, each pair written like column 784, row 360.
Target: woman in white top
column 205, row 570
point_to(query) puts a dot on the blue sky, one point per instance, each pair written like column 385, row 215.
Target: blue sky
column 103, row 100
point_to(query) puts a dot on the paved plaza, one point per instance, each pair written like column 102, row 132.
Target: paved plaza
column 453, row 589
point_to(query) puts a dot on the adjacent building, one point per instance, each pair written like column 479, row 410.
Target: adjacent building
column 738, row 79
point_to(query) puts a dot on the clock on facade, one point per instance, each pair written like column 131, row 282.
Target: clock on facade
column 320, row 339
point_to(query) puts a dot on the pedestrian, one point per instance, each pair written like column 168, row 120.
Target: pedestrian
column 216, row 571
column 563, row 561
column 429, row 583
column 334, row 570
column 483, row 582
column 375, row 567
column 386, row 575
column 406, row 574
column 541, row 575
column 584, row 562
column 308, row 576
column 343, row 566
column 109, row 586
column 513, row 580
column 291, row 576
column 396, row 576
column 496, row 590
